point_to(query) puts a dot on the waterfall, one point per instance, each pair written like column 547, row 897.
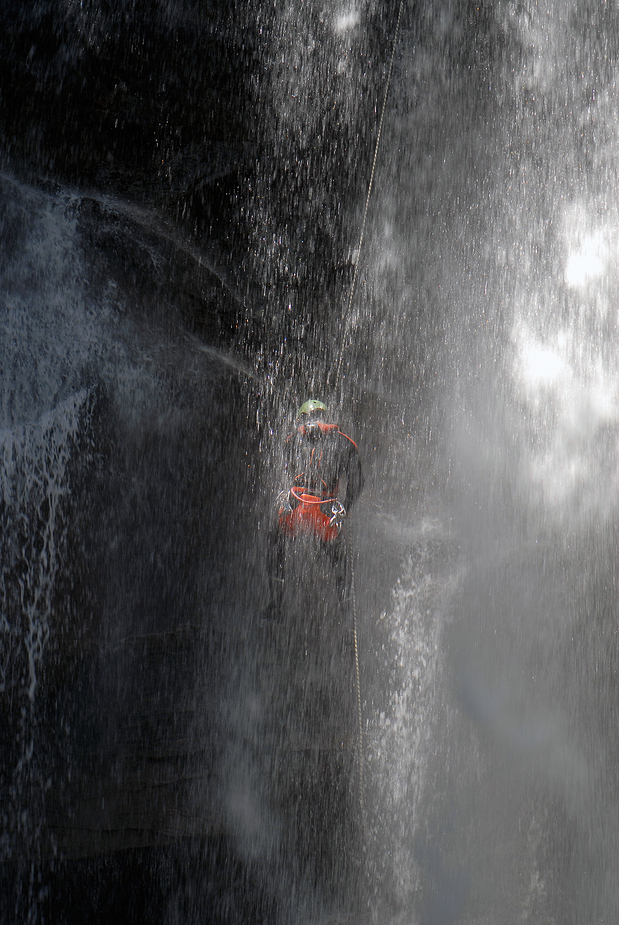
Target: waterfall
column 494, row 238
column 168, row 298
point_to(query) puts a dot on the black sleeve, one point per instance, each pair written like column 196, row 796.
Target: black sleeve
column 354, row 475
column 289, row 452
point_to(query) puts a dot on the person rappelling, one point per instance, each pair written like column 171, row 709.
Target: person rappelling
column 318, row 456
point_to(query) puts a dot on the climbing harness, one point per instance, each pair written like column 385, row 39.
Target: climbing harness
column 347, row 313
column 304, row 510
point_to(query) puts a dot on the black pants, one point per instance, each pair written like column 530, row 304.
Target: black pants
column 336, row 551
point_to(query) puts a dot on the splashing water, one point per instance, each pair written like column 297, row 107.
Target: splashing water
column 400, row 739
column 499, row 250
column 62, row 337
column 486, row 334
column 35, row 460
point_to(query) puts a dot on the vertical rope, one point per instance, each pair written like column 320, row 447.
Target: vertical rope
column 360, row 750
column 346, row 326
column 347, row 314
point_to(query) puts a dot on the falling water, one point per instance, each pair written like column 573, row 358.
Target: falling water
column 103, row 420
column 154, row 732
column 502, row 786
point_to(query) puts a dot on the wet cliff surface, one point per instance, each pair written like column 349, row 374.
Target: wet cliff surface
column 164, row 757
column 181, row 196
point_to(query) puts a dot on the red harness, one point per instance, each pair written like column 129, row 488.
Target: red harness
column 310, row 509
column 303, row 429
column 310, row 513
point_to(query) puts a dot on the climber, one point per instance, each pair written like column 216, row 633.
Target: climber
column 317, row 457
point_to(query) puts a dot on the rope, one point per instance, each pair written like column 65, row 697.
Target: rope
column 357, row 683
column 346, row 325
column 347, row 314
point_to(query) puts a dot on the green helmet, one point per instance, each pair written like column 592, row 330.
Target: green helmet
column 311, row 405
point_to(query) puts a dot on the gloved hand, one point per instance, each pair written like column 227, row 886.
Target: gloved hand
column 338, row 514
column 282, row 502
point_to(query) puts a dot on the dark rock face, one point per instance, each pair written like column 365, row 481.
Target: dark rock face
column 132, row 572
column 149, row 104
column 114, row 96
column 181, row 200
column 256, row 146
column 126, row 494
